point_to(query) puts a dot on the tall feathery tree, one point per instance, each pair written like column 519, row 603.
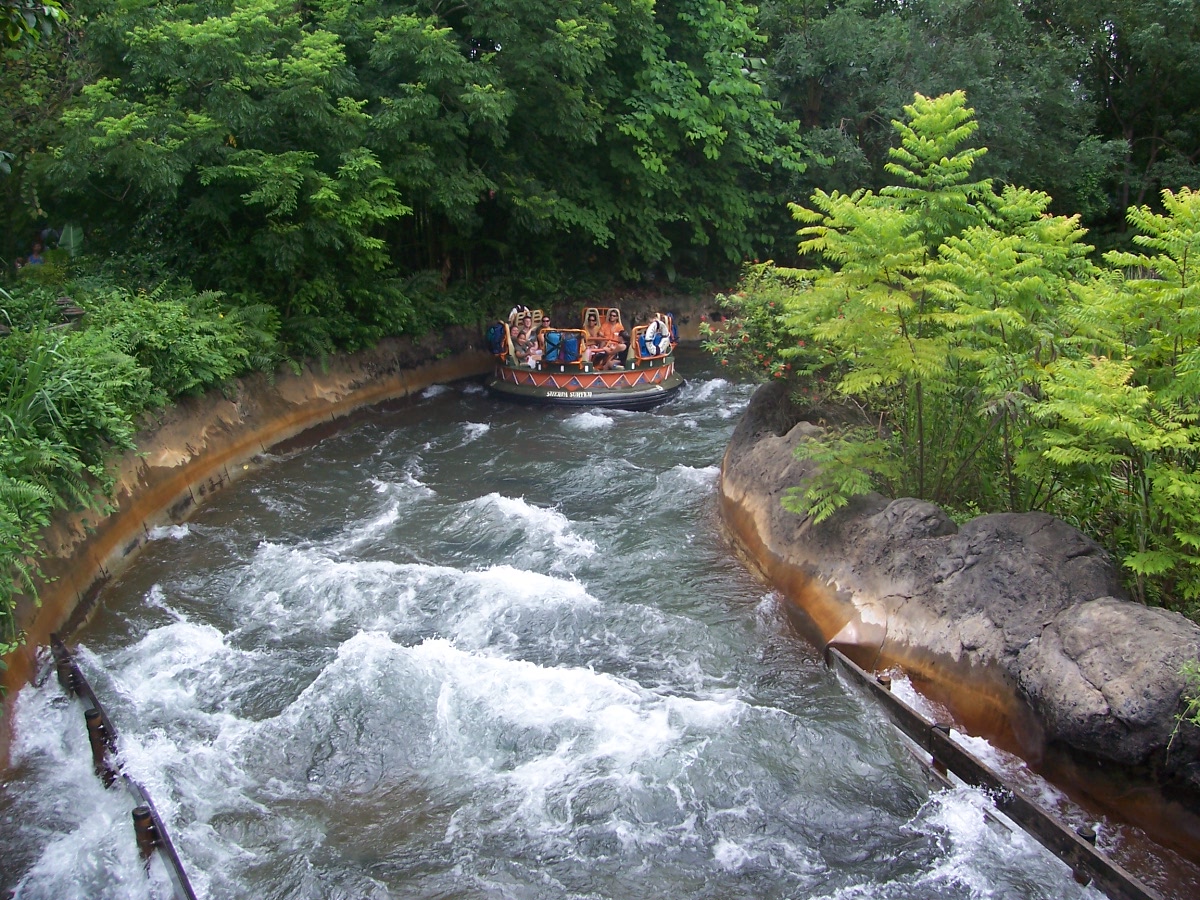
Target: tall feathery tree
column 941, row 305
column 321, row 155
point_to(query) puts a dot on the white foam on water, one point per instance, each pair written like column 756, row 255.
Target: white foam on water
column 691, row 477
column 903, row 688
column 173, row 671
column 434, row 390
column 473, row 431
column 769, row 613
column 87, row 847
column 706, row 390
column 168, row 532
column 534, row 738
column 474, row 389
column 589, row 421
column 538, row 521
column 489, row 602
column 1006, row 764
column 366, row 530
column 409, row 485
column 402, row 495
column 288, row 589
column 761, row 855
column 156, row 598
column 977, row 848
column 1012, row 767
column 533, row 734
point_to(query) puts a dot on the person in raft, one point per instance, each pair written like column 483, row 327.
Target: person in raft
column 526, row 343
column 597, row 353
column 615, row 342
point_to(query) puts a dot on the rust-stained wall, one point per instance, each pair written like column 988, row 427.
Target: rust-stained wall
column 204, row 444
column 982, row 701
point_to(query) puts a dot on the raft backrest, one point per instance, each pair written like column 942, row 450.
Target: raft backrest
column 672, row 328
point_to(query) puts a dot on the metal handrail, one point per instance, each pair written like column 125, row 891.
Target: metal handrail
column 150, row 831
column 1076, row 849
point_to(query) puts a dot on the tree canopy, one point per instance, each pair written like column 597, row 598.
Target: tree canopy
column 1091, row 101
column 320, row 155
column 986, row 360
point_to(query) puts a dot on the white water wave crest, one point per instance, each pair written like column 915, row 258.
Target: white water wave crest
column 691, row 477
column 168, row 532
column 497, row 608
column 537, row 522
column 289, row 589
column 706, row 390
column 589, row 421
column 473, row 431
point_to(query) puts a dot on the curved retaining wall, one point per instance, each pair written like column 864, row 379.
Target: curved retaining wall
column 201, row 446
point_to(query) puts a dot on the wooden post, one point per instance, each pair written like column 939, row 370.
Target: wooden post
column 98, row 738
column 66, row 677
column 146, row 833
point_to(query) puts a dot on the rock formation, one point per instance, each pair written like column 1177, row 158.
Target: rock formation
column 1014, row 619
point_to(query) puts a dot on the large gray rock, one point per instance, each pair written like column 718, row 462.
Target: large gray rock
column 1020, row 600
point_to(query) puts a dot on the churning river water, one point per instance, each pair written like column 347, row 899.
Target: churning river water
column 470, row 650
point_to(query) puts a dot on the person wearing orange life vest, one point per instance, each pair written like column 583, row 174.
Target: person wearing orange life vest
column 615, row 339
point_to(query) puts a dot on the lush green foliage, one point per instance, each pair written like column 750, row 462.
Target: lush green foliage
column 1190, row 698
column 1092, row 101
column 26, row 22
column 70, row 397
column 348, row 162
column 343, row 171
column 994, row 364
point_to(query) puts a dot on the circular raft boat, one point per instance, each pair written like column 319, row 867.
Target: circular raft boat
column 599, row 364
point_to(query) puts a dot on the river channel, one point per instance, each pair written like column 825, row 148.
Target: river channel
column 469, row 650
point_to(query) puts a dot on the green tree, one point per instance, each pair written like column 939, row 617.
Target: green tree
column 322, row 156
column 1123, row 431
column 37, row 77
column 1141, row 71
column 941, row 307
column 847, row 67
column 994, row 364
